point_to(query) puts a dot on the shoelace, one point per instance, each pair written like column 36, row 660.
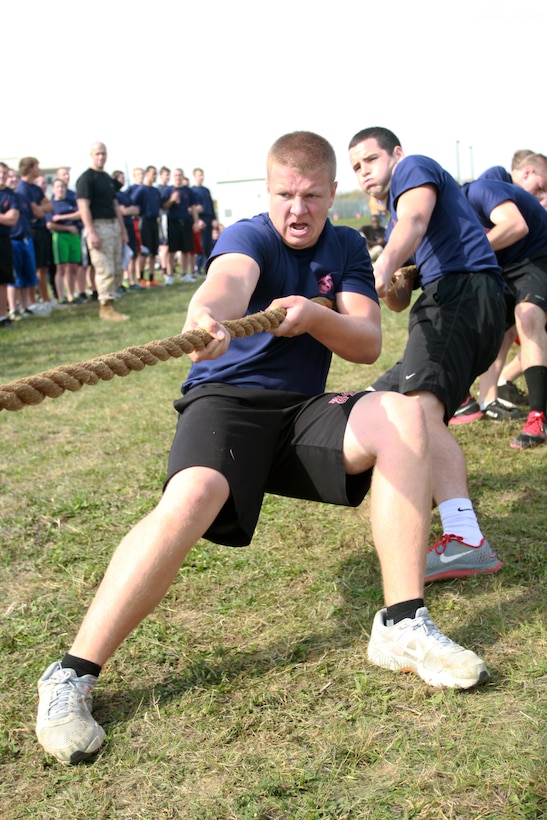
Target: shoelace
column 441, row 544
column 58, row 707
column 431, row 631
column 535, row 426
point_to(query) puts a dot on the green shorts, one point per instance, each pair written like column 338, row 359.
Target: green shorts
column 67, row 247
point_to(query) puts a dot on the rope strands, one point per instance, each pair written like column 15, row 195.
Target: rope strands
column 31, row 390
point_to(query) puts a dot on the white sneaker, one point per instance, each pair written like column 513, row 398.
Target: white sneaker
column 40, row 308
column 169, row 280
column 188, row 278
column 417, row 645
column 65, row 726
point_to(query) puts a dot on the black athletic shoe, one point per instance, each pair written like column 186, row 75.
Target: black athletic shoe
column 499, row 410
column 467, row 412
column 511, row 393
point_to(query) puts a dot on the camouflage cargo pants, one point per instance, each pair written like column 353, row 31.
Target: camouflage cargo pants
column 107, row 260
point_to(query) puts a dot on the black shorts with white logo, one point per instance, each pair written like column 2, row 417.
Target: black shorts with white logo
column 265, row 441
column 455, row 330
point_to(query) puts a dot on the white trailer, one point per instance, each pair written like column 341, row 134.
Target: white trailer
column 240, row 199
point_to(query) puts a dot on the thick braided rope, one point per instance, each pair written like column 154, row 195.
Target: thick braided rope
column 18, row 394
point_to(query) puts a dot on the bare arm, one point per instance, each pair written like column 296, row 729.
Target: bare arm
column 9, row 219
column 414, row 209
column 509, row 226
column 225, row 294
column 353, row 331
column 87, row 219
column 58, row 227
column 119, row 217
column 45, row 207
column 130, row 210
column 65, row 217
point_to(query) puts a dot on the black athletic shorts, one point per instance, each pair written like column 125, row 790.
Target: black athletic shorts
column 43, row 247
column 132, row 238
column 180, row 236
column 6, row 261
column 455, row 330
column 526, row 282
column 265, row 441
column 150, row 235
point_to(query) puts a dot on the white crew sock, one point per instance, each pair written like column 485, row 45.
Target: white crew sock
column 458, row 518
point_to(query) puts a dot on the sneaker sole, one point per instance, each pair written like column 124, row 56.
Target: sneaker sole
column 441, row 679
column 447, row 574
column 466, row 419
column 529, row 445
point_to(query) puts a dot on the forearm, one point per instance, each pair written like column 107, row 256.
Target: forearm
column 506, row 234
column 354, row 338
column 85, row 215
column 9, row 219
column 219, row 297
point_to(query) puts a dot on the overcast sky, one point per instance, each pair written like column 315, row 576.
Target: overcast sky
column 214, row 84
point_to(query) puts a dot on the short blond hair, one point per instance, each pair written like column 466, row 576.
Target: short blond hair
column 519, row 157
column 536, row 161
column 304, row 151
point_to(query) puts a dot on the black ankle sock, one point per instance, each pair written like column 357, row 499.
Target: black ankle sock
column 405, row 609
column 80, row 666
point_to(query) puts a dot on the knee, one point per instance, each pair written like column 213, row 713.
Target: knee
column 530, row 319
column 406, row 415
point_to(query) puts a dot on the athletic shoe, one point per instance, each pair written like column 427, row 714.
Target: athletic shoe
column 152, row 283
column 501, row 410
column 467, row 412
column 451, row 557
column 40, row 308
column 65, row 726
column 188, row 278
column 533, row 433
column 511, row 393
column 417, row 645
column 169, row 280
column 6, row 322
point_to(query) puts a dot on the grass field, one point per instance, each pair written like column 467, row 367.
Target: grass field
column 247, row 693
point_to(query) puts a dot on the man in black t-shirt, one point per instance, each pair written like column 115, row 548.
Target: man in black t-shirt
column 104, row 230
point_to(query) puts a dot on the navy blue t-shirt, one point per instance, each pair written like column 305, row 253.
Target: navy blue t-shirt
column 32, row 193
column 149, row 200
column 486, row 194
column 338, row 262
column 180, row 210
column 62, row 207
column 124, row 199
column 22, row 229
column 454, row 241
column 496, row 172
column 203, row 197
